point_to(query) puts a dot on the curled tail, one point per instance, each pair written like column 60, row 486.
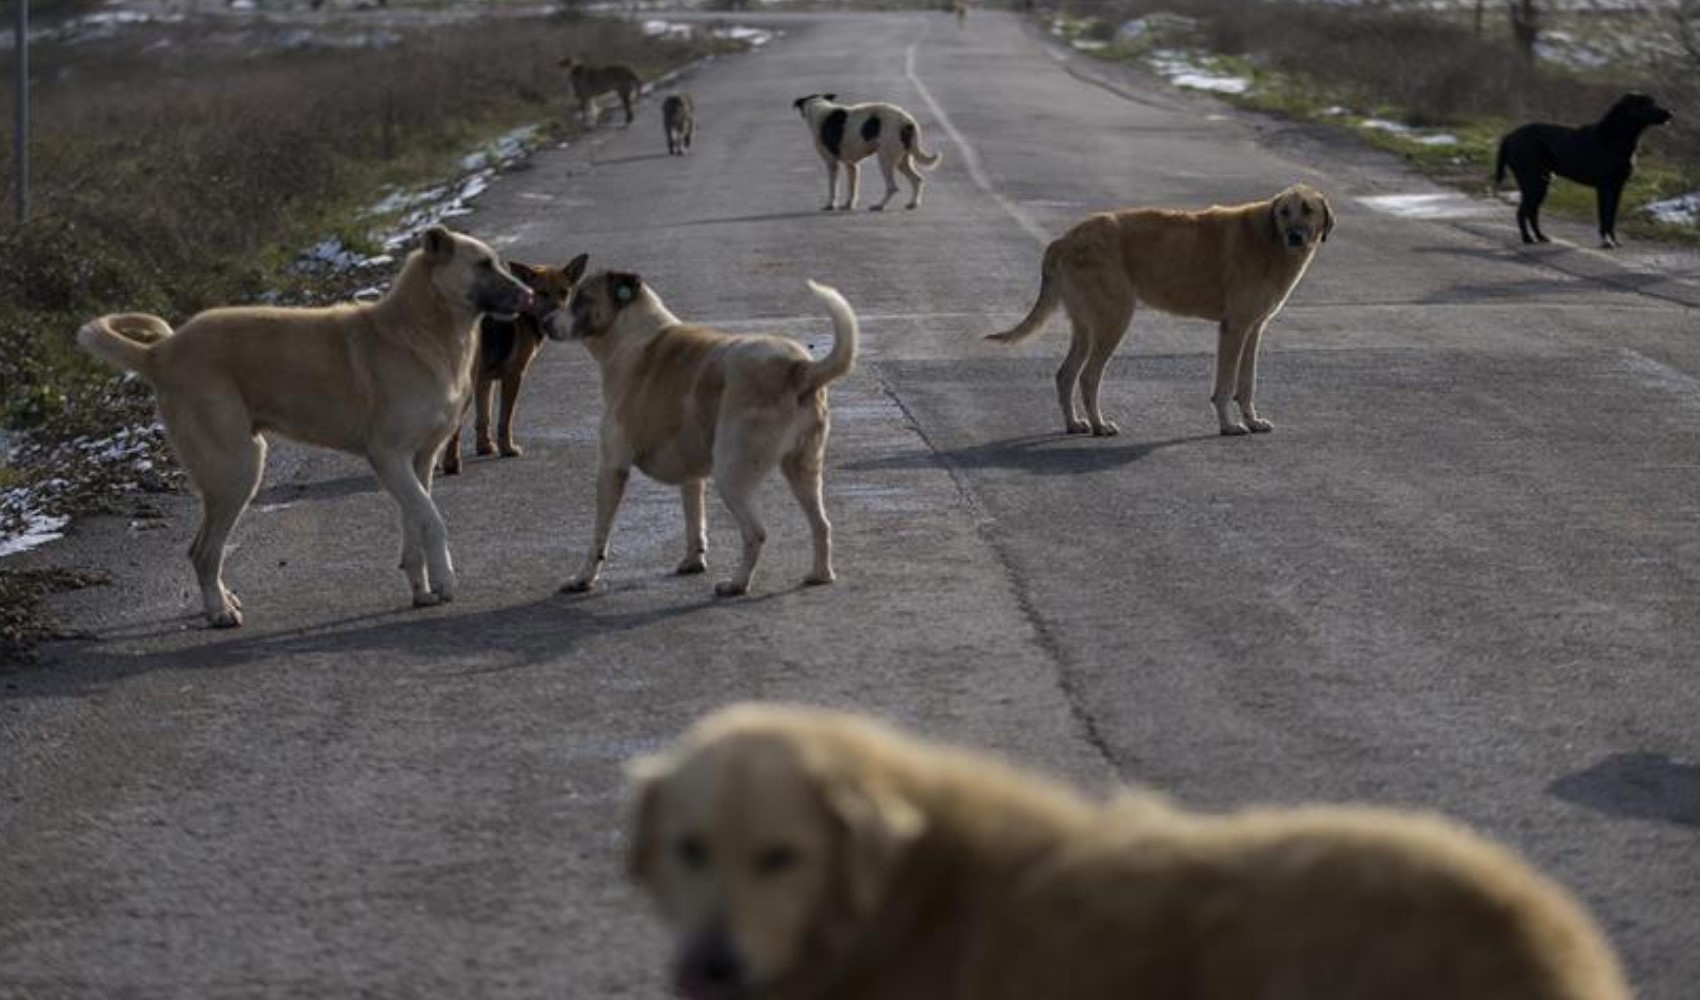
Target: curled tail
column 911, row 136
column 845, row 333
column 124, row 339
column 1050, row 292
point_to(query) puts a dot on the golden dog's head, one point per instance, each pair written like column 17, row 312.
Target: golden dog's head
column 766, row 842
column 468, row 274
column 1302, row 217
column 596, row 305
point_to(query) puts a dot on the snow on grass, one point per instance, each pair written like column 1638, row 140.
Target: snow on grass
column 1438, row 205
column 1184, row 70
column 35, row 513
column 1683, row 210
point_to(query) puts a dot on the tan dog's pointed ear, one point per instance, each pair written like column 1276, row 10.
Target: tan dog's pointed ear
column 1327, row 219
column 880, row 827
column 643, row 788
column 575, row 268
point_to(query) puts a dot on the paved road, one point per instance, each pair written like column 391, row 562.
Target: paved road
column 1462, row 575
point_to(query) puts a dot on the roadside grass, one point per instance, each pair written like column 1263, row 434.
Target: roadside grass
column 21, row 592
column 1425, row 73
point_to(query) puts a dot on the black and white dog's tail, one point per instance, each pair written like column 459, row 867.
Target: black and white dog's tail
column 911, row 136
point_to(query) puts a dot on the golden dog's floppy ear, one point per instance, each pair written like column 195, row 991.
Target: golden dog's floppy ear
column 643, row 788
column 1327, row 218
column 879, row 828
column 438, row 242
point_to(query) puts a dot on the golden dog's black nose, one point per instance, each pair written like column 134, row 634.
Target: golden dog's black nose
column 710, row 969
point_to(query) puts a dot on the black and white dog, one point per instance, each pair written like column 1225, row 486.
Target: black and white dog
column 850, row 134
column 1601, row 155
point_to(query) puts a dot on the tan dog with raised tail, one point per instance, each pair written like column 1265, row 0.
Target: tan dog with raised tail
column 687, row 403
column 1235, row 265
column 800, row 854
column 388, row 381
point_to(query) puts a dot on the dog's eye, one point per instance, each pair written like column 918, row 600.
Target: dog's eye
column 693, row 853
column 776, row 859
column 1285, row 211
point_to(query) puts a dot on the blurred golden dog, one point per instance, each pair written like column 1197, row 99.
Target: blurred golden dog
column 800, row 853
column 1235, row 265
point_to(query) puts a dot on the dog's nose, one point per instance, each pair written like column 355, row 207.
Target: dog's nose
column 1295, row 238
column 710, row 967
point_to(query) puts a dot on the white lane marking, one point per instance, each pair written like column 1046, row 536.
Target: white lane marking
column 970, row 157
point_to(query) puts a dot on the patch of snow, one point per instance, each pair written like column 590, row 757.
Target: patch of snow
column 1180, row 69
column 1089, row 44
column 1680, row 211
column 1383, row 125
column 38, row 529
column 1439, row 139
column 33, row 514
column 1441, row 205
column 667, row 29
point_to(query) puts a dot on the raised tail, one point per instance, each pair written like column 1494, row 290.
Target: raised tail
column 1050, row 293
column 125, row 340
column 845, row 334
column 911, row 136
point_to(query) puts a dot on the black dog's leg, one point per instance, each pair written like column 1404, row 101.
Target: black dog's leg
column 1609, row 195
column 1529, row 207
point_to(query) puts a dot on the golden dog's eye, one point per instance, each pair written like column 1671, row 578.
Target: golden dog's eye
column 693, row 853
column 1285, row 211
column 776, row 859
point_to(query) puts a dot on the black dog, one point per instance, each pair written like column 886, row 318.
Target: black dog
column 1601, row 155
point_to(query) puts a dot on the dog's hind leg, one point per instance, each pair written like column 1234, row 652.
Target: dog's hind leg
column 888, row 166
column 224, row 458
column 484, row 397
column 831, row 185
column 1068, row 377
column 626, row 103
column 738, row 470
column 696, row 528
column 1534, row 192
column 1246, row 386
column 802, row 469
column 1108, row 325
column 916, row 181
column 1230, row 347
column 451, row 452
column 425, row 539
column 852, row 184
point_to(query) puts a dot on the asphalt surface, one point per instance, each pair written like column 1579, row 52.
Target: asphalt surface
column 1463, row 574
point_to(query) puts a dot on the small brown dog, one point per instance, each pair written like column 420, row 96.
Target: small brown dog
column 1235, row 265
column 686, row 404
column 506, row 348
column 800, row 854
column 591, row 82
column 679, row 121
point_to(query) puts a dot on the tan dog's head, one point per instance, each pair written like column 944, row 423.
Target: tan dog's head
column 597, row 304
column 469, row 275
column 550, row 286
column 1302, row 217
column 766, row 842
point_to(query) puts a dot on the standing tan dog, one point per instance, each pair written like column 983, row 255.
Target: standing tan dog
column 807, row 855
column 506, row 348
column 1235, row 265
column 685, row 403
column 591, row 82
column 850, row 134
column 388, row 381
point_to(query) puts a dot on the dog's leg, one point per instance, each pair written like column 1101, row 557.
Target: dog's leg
column 425, row 539
column 1529, row 207
column 451, row 453
column 626, row 103
column 802, row 469
column 1246, row 387
column 916, row 181
column 611, row 481
column 888, row 166
column 831, row 183
column 1230, row 345
column 505, row 426
column 226, row 471
column 484, row 395
column 1114, row 310
column 1068, row 376
column 853, row 185
column 1607, row 199
column 738, row 470
column 696, row 528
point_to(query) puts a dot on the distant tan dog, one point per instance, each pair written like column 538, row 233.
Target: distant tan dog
column 679, row 121
column 809, row 855
column 1235, row 265
column 685, row 403
column 591, row 82
column 850, row 134
column 388, row 381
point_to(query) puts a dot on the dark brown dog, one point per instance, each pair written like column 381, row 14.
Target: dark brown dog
column 1601, row 155
column 506, row 348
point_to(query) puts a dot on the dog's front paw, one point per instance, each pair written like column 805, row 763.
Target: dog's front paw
column 1258, row 425
column 1077, row 426
column 1107, row 428
column 912, row 205
column 1235, row 430
column 227, row 617
column 731, row 588
column 485, row 446
column 428, row 599
column 696, row 562
column 511, row 450
column 578, row 585
column 876, row 208
column 820, row 579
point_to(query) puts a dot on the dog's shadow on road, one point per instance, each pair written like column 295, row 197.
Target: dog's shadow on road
column 770, row 217
column 1648, row 786
column 1038, row 454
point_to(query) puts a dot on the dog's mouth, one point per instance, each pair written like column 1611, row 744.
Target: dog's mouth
column 508, row 305
column 1296, row 240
